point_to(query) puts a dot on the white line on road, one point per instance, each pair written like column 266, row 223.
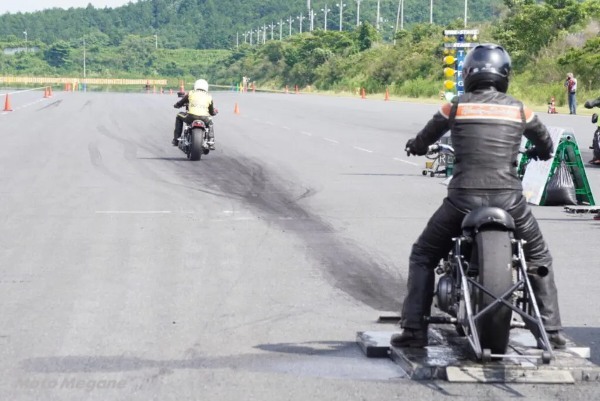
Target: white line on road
column 331, row 140
column 133, row 211
column 405, row 161
column 287, row 128
column 363, row 149
column 305, row 133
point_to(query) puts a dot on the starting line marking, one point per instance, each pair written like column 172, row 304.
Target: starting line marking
column 133, row 211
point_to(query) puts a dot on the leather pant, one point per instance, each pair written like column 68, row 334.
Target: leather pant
column 436, row 241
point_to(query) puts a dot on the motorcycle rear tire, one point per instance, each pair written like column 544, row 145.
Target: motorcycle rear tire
column 196, row 145
column 494, row 258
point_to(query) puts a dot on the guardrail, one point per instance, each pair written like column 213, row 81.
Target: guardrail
column 90, row 81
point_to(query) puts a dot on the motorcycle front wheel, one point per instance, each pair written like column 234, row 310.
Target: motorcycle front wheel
column 494, row 258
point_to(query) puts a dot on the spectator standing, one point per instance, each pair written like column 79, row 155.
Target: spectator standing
column 571, row 86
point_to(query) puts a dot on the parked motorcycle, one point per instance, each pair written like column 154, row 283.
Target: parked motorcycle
column 484, row 283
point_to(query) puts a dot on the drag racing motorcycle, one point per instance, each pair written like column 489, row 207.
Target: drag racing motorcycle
column 484, row 284
column 596, row 138
column 194, row 139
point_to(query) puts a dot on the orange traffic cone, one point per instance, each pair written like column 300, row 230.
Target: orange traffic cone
column 363, row 94
column 387, row 94
column 46, row 92
column 7, row 104
column 49, row 91
column 236, row 109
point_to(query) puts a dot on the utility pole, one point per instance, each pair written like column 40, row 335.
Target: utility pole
column 84, row 61
column 25, row 33
column 280, row 29
column 272, row 26
column 341, row 6
column 402, row 17
column 264, row 34
column 358, row 12
column 301, row 19
column 290, row 22
column 251, row 34
column 466, row 13
column 312, row 19
column 378, row 14
column 431, row 11
column 326, row 11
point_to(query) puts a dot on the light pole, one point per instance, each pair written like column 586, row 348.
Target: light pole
column 431, row 11
column 378, row 14
column 398, row 14
column 300, row 18
column 84, row 68
column 251, row 35
column 341, row 6
column 156, row 41
column 312, row 19
column 280, row 28
column 358, row 12
column 466, row 13
column 272, row 26
column 25, row 33
column 289, row 20
column 264, row 34
column 245, row 35
column 326, row 11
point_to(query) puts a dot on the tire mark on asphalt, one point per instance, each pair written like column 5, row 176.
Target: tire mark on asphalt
column 349, row 267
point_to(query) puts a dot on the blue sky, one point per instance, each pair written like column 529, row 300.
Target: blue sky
column 14, row 6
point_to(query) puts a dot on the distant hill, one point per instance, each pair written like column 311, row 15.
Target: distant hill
column 214, row 24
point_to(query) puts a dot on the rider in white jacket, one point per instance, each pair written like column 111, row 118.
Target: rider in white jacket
column 200, row 107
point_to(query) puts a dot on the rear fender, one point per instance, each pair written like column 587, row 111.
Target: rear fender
column 198, row 124
column 487, row 217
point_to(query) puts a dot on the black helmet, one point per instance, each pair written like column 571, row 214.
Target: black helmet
column 487, row 65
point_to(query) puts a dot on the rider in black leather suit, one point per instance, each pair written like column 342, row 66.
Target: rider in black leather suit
column 486, row 128
column 596, row 139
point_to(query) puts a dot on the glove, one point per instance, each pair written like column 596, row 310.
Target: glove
column 590, row 104
column 532, row 154
column 411, row 148
column 176, row 105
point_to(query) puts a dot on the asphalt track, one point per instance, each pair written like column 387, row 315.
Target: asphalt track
column 131, row 273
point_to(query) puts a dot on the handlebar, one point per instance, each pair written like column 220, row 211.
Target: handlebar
column 440, row 148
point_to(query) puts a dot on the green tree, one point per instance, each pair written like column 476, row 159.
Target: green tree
column 58, row 54
column 367, row 35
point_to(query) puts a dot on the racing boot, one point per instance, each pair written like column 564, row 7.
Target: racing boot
column 557, row 339
column 410, row 338
column 174, row 142
column 211, row 144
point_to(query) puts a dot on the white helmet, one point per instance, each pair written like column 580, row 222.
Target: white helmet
column 201, row 84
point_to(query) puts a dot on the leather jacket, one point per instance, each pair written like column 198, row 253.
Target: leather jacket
column 486, row 129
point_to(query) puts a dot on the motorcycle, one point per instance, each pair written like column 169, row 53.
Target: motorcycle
column 194, row 139
column 484, row 281
column 596, row 138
